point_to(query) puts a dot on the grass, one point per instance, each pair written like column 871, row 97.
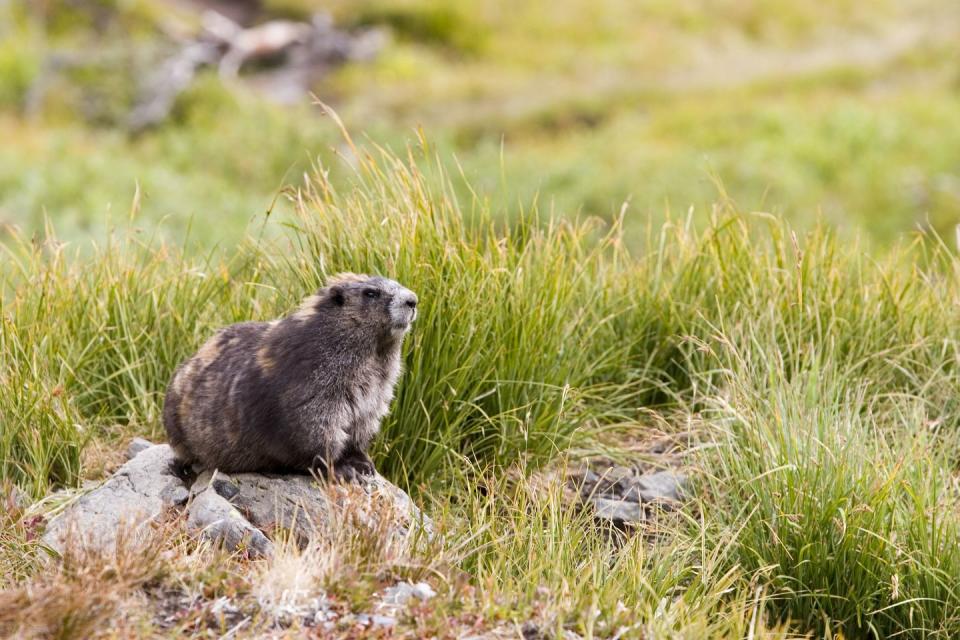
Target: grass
column 584, row 109
column 826, row 155
column 825, row 379
column 102, row 338
column 72, row 174
column 809, row 345
column 536, row 288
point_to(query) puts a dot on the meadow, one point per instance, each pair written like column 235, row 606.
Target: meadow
column 792, row 305
column 834, row 112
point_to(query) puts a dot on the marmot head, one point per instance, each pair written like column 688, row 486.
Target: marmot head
column 372, row 301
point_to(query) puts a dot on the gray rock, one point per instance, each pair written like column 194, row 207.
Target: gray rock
column 323, row 614
column 422, row 591
column 291, row 608
column 614, row 476
column 400, row 594
column 619, row 512
column 659, row 486
column 376, row 620
column 211, row 515
column 136, row 446
column 302, row 504
column 237, row 511
column 587, row 477
column 137, row 493
column 223, row 486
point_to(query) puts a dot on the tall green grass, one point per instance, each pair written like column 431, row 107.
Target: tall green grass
column 90, row 343
column 826, row 380
column 515, row 325
column 830, row 384
column 534, row 555
column 846, row 510
column 501, row 366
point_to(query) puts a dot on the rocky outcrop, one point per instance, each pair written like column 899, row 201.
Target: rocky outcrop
column 625, row 496
column 211, row 514
column 240, row 511
column 136, row 446
column 139, row 492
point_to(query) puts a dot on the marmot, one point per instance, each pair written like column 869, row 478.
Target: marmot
column 302, row 393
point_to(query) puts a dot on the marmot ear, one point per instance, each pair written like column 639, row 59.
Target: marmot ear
column 336, row 294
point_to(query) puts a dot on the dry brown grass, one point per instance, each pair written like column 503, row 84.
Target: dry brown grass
column 166, row 583
column 86, row 592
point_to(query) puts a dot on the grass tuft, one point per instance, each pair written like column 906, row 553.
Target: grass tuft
column 827, row 380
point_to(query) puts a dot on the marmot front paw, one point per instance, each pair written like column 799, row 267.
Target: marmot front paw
column 354, row 469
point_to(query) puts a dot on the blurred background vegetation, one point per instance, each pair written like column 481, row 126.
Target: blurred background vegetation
column 841, row 111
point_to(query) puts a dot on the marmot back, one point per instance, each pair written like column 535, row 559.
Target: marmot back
column 305, row 392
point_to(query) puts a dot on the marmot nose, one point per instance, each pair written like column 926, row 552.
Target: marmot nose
column 411, row 302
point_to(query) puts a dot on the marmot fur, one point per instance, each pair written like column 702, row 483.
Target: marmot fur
column 302, row 393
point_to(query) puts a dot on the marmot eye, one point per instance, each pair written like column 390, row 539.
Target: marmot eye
column 372, row 293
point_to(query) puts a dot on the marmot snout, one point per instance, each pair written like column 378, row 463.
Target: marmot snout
column 305, row 392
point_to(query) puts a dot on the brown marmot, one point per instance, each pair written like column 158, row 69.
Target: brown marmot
column 302, row 393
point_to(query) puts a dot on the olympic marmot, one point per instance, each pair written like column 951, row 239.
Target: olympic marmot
column 302, row 393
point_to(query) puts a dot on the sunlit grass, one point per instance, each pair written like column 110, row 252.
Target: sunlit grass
column 827, row 382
